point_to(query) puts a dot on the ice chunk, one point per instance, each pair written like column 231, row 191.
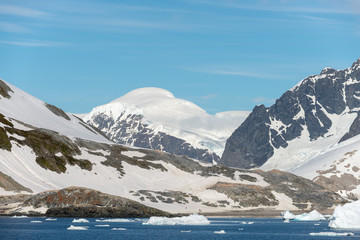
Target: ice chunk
column 104, row 225
column 185, row 231
column 311, row 216
column 193, row 219
column 50, row 219
column 244, row 222
column 80, row 220
column 36, row 221
column 77, row 228
column 332, row 234
column 220, row 232
column 119, row 229
column 23, row 216
column 347, row 216
column 287, row 215
column 114, row 220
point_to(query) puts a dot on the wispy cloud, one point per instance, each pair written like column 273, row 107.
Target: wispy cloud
column 14, row 28
column 234, row 72
column 332, row 6
column 33, row 43
column 21, row 11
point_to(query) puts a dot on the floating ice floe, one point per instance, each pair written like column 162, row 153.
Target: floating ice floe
column 119, row 229
column 244, row 222
column 287, row 215
column 105, row 225
column 77, row 228
column 332, row 234
column 185, row 231
column 36, row 221
column 80, row 220
column 50, row 219
column 347, row 216
column 311, row 216
column 114, row 220
column 220, row 232
column 23, row 216
column 193, row 219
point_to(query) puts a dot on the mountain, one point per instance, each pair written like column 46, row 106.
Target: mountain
column 153, row 118
column 319, row 112
column 55, row 153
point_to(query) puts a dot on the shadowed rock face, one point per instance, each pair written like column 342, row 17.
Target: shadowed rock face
column 9, row 184
column 4, row 89
column 303, row 107
column 57, row 111
column 132, row 131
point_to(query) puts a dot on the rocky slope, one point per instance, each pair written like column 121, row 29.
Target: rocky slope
column 153, row 118
column 321, row 111
column 75, row 202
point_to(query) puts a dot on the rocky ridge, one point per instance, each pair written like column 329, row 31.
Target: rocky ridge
column 320, row 111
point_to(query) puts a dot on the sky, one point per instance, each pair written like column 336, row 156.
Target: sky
column 222, row 55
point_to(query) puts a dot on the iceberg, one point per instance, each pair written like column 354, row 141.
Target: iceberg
column 119, row 229
column 50, row 219
column 36, row 221
column 114, row 220
column 77, row 228
column 104, row 225
column 80, row 220
column 220, row 232
column 311, row 216
column 287, row 215
column 23, row 216
column 193, row 219
column 332, row 234
column 347, row 216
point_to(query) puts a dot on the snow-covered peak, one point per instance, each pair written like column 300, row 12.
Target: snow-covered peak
column 161, row 111
column 148, row 93
column 23, row 107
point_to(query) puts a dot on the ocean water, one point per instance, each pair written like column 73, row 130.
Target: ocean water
column 260, row 229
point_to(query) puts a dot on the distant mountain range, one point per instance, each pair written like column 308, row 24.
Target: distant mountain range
column 318, row 117
column 153, row 118
column 43, row 148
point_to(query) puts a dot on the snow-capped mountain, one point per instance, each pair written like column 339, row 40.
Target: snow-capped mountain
column 56, row 153
column 318, row 113
column 153, row 118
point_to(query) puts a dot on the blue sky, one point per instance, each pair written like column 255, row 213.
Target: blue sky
column 222, row 55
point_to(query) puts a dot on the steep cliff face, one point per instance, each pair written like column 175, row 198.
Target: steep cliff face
column 320, row 111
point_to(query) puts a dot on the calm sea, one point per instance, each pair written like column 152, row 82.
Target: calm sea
column 258, row 229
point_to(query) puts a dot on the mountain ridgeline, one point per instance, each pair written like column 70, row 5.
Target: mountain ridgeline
column 321, row 109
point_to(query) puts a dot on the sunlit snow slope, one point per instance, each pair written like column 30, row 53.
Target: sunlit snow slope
column 23, row 107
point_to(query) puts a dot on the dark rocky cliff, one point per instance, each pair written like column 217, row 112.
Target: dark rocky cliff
column 306, row 106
